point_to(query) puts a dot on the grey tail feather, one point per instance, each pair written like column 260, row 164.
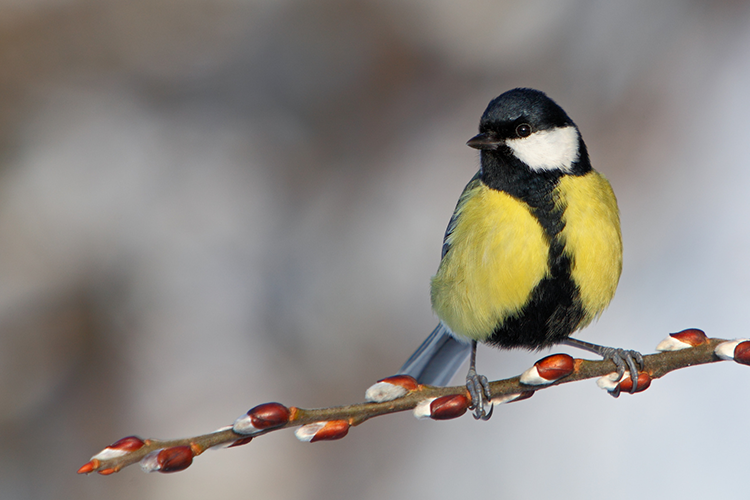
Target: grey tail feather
column 437, row 359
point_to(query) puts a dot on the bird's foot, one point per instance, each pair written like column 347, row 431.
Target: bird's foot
column 624, row 358
column 479, row 390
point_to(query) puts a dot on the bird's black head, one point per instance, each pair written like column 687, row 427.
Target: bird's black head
column 523, row 106
column 525, row 132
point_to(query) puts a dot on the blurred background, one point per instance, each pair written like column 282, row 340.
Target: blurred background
column 210, row 204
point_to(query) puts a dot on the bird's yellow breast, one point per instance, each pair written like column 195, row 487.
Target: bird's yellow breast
column 592, row 239
column 499, row 253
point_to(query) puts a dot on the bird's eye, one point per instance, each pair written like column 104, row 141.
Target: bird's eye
column 523, row 130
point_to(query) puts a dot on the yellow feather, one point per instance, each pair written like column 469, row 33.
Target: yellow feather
column 592, row 239
column 498, row 254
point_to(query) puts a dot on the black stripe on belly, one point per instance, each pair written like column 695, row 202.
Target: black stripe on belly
column 555, row 310
column 553, row 313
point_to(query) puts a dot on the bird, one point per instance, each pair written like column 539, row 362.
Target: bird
column 533, row 251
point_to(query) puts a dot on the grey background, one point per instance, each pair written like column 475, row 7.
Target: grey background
column 206, row 205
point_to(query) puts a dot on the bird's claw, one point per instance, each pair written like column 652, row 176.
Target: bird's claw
column 479, row 390
column 623, row 358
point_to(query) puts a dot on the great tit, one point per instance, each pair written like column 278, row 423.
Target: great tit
column 533, row 251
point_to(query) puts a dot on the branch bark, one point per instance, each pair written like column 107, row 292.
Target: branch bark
column 435, row 402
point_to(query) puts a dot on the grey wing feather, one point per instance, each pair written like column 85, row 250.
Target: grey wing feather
column 454, row 217
column 437, row 359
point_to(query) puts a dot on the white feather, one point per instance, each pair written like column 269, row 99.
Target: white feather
column 548, row 149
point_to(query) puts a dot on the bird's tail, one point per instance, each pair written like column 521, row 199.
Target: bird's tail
column 437, row 359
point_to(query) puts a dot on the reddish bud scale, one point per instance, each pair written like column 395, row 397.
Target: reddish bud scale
column 406, row 381
column 106, row 472
column 240, row 442
column 523, row 395
column 120, row 448
column 391, row 388
column 335, row 429
column 130, row 443
column 691, row 336
column 644, row 382
column 174, row 459
column 511, row 398
column 269, row 415
column 88, row 467
column 742, row 353
column 555, row 367
column 448, row 407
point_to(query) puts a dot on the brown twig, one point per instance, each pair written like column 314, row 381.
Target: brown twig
column 436, row 402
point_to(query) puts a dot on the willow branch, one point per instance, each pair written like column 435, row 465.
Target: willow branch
column 426, row 401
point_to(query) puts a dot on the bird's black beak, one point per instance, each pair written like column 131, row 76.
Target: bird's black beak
column 484, row 141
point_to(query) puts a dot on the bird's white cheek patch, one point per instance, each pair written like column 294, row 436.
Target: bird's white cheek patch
column 548, row 149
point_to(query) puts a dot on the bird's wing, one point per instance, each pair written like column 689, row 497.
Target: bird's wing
column 454, row 217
